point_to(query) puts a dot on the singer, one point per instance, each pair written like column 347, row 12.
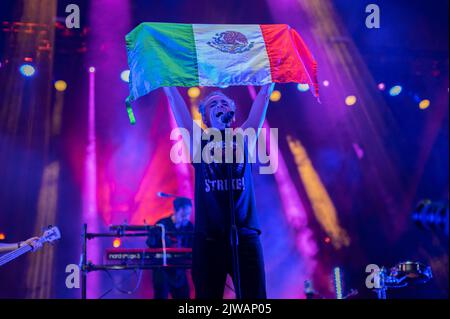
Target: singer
column 212, row 249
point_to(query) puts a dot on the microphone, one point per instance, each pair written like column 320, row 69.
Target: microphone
column 227, row 117
column 161, row 194
column 167, row 195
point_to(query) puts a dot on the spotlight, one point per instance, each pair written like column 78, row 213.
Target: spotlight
column 381, row 86
column 91, row 69
column 125, row 76
column 350, row 100
column 275, row 96
column 193, row 92
column 395, row 90
column 116, row 243
column 2, row 236
column 302, row 87
column 326, row 83
column 27, row 70
column 60, row 85
column 424, row 104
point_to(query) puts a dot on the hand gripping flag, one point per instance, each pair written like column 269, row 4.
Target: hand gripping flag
column 169, row 54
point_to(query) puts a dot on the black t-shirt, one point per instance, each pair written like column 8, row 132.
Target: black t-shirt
column 180, row 240
column 212, row 201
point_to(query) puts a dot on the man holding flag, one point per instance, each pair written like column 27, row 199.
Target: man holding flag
column 212, row 250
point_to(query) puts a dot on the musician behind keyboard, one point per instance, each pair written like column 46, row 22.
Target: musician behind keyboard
column 173, row 280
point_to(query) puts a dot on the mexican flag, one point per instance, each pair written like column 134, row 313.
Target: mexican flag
column 169, row 54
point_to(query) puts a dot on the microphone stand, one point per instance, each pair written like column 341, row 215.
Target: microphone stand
column 234, row 237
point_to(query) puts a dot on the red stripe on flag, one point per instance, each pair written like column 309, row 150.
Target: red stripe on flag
column 290, row 59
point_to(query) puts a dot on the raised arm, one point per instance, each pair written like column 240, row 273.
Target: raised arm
column 257, row 113
column 182, row 115
column 33, row 242
column 8, row 247
column 179, row 108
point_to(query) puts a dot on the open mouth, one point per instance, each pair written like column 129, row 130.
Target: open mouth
column 221, row 111
column 225, row 116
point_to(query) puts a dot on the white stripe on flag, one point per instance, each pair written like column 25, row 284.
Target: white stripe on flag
column 231, row 55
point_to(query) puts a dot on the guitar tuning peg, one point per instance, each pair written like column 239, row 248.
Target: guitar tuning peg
column 45, row 228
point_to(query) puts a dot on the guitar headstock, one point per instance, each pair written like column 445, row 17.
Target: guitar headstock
column 50, row 235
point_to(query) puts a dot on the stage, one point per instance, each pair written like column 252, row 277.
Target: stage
column 347, row 197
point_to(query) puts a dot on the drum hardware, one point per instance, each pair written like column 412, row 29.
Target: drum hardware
column 432, row 216
column 404, row 274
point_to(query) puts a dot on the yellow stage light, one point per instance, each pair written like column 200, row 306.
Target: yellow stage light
column 117, row 242
column 275, row 96
column 321, row 202
column 350, row 100
column 424, row 104
column 60, row 85
column 194, row 92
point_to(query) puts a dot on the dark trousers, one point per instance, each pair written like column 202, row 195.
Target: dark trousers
column 173, row 281
column 212, row 261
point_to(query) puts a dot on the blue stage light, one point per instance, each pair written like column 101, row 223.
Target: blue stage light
column 303, row 87
column 395, row 90
column 27, row 70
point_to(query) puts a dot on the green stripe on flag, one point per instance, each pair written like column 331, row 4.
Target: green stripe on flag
column 161, row 54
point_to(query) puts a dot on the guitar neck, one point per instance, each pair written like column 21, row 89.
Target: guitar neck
column 6, row 258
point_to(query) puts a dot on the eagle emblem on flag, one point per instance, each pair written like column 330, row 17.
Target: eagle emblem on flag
column 230, row 42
